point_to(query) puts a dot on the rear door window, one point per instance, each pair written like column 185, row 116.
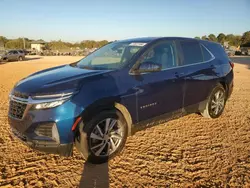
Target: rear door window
column 191, row 52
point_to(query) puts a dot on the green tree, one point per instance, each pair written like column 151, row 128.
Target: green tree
column 235, row 41
column 15, row 44
column 221, row 38
column 204, row 37
column 197, row 37
column 212, row 37
column 102, row 43
column 245, row 37
column 229, row 37
column 58, row 45
column 3, row 40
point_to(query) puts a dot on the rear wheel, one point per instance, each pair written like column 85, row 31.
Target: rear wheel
column 103, row 137
column 216, row 103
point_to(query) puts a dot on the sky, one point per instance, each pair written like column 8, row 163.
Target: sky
column 77, row 20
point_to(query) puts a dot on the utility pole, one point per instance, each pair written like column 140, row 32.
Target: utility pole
column 23, row 43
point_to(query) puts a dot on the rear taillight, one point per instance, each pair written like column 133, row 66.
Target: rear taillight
column 232, row 64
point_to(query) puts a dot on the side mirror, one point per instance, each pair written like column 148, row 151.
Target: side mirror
column 149, row 66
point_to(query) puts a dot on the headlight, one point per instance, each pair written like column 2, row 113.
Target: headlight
column 53, row 96
column 49, row 104
column 50, row 100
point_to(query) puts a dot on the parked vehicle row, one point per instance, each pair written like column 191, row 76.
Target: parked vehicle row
column 97, row 102
column 242, row 52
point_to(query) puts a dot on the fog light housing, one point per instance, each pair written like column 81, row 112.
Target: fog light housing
column 48, row 130
column 44, row 130
column 55, row 134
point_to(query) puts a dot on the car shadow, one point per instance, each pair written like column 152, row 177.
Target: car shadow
column 31, row 58
column 95, row 175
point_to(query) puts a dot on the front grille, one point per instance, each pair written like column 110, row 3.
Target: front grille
column 20, row 95
column 16, row 109
column 18, row 104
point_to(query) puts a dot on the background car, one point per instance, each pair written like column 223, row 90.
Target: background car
column 2, row 53
column 230, row 52
column 13, row 55
column 245, row 51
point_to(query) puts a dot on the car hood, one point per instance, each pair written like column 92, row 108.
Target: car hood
column 55, row 80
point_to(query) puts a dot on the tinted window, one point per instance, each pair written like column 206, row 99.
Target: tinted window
column 206, row 55
column 217, row 50
column 191, row 52
column 15, row 52
column 163, row 53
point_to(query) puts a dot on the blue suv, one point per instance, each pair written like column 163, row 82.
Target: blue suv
column 121, row 88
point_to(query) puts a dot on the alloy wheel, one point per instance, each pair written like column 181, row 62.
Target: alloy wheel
column 106, row 137
column 217, row 102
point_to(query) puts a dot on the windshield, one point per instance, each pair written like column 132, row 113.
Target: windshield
column 111, row 56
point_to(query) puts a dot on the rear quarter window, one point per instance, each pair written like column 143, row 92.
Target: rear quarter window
column 217, row 50
column 191, row 52
column 206, row 54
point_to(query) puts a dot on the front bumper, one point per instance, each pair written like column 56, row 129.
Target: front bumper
column 44, row 145
column 63, row 116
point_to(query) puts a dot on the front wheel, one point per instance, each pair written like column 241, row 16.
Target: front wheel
column 103, row 137
column 216, row 103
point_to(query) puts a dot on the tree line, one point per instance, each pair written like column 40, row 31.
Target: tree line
column 22, row 43
column 233, row 40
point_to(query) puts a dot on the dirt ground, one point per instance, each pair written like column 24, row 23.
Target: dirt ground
column 189, row 152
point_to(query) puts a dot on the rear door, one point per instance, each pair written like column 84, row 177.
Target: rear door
column 160, row 92
column 15, row 55
column 199, row 73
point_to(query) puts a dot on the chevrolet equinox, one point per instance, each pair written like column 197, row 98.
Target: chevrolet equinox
column 125, row 86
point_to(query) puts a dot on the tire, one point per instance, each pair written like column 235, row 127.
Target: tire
column 88, row 140
column 216, row 103
column 5, row 59
column 20, row 58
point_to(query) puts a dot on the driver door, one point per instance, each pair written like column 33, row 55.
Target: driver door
column 161, row 92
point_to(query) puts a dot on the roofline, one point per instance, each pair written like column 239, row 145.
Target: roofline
column 151, row 39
